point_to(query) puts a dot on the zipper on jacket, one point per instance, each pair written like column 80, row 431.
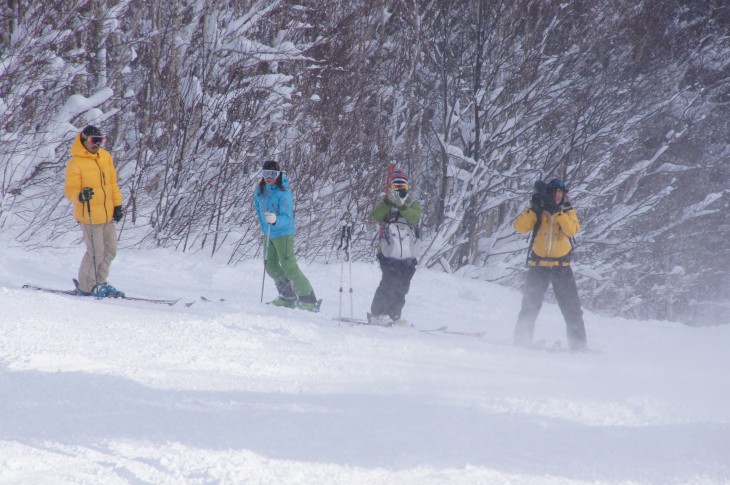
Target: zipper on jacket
column 549, row 241
column 102, row 179
column 400, row 240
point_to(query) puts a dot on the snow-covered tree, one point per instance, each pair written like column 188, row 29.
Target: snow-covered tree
column 625, row 100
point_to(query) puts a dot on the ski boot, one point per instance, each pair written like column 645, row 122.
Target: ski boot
column 281, row 301
column 287, row 298
column 81, row 292
column 309, row 303
column 401, row 322
column 381, row 320
column 106, row 290
column 112, row 292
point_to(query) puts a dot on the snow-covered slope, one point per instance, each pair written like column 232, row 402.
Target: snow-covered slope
column 235, row 391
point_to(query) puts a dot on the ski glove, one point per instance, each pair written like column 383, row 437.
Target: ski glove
column 86, row 194
column 550, row 205
column 538, row 202
column 118, row 213
column 270, row 217
column 395, row 198
column 564, row 206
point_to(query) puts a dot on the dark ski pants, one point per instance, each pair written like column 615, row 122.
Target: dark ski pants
column 390, row 297
column 536, row 284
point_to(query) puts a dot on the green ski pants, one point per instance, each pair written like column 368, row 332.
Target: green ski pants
column 281, row 264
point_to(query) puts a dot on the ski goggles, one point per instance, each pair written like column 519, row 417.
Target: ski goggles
column 96, row 140
column 399, row 186
column 270, row 174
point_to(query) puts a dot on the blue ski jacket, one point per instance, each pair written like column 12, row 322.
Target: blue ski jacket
column 281, row 203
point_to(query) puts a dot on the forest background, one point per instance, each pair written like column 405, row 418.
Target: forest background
column 628, row 101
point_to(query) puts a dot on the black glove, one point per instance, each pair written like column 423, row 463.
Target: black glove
column 86, row 194
column 549, row 205
column 538, row 202
column 564, row 206
column 118, row 213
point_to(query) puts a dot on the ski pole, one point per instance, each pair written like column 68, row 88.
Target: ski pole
column 348, row 236
column 93, row 249
column 266, row 258
column 342, row 273
column 342, row 270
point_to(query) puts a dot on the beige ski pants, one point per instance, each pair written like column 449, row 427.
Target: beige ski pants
column 101, row 246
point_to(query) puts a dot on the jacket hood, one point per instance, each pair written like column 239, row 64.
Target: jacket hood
column 79, row 150
column 284, row 183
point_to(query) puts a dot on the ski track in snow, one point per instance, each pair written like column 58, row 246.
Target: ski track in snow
column 235, row 391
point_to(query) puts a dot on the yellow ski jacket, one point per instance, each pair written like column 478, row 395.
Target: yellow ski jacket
column 551, row 245
column 97, row 171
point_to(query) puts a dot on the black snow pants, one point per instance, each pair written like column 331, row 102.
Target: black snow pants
column 536, row 284
column 390, row 297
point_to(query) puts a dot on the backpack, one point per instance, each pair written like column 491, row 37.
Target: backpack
column 399, row 240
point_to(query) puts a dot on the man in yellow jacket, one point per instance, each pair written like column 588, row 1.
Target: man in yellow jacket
column 91, row 185
column 553, row 222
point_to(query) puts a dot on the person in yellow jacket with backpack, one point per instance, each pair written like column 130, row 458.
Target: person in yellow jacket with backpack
column 91, row 185
column 553, row 222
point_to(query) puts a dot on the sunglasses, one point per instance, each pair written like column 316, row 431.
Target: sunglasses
column 96, row 140
column 270, row 174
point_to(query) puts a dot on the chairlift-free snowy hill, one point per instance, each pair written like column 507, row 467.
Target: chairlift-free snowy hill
column 236, row 391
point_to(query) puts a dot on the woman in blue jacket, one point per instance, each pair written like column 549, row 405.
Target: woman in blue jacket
column 275, row 209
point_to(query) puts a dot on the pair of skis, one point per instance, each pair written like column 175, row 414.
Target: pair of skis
column 442, row 329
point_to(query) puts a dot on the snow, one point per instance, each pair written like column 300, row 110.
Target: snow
column 236, row 391
column 77, row 104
